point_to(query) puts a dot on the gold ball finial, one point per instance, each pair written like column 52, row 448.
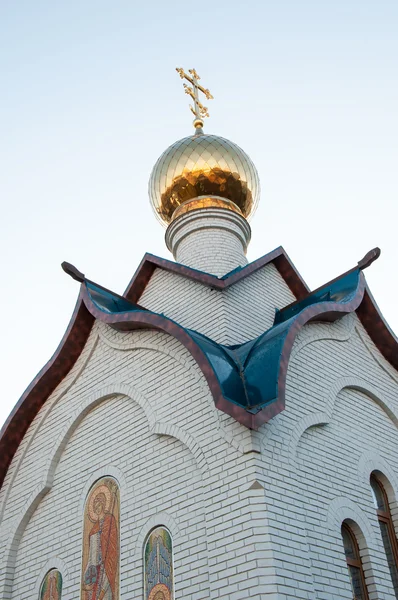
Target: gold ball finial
column 198, row 124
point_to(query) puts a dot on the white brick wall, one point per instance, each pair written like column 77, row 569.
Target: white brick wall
column 240, row 313
column 339, row 425
column 166, row 439
column 252, row 514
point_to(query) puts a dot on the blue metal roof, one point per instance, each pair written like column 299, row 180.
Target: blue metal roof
column 248, row 372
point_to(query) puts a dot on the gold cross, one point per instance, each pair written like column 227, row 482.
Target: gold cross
column 197, row 109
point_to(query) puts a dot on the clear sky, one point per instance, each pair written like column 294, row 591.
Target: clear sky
column 90, row 98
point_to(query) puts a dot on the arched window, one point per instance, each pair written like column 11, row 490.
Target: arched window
column 158, row 565
column 100, row 565
column 386, row 528
column 51, row 588
column 354, row 564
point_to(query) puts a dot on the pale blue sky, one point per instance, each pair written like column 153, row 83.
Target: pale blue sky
column 90, row 98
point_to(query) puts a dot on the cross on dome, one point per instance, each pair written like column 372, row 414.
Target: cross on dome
column 198, row 109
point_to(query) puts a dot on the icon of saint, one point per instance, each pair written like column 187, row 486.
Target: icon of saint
column 101, row 568
column 158, row 571
column 52, row 586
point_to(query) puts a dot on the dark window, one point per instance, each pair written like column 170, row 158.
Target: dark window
column 387, row 529
column 354, row 564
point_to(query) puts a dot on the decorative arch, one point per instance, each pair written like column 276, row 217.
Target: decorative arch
column 317, row 419
column 119, row 389
column 53, row 563
column 370, row 462
column 325, row 417
column 177, row 354
column 94, row 399
column 192, row 367
column 169, row 429
column 363, row 386
column 376, row 354
column 154, row 521
column 338, row 331
column 344, row 509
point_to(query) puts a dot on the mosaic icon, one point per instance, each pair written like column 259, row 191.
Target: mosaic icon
column 100, row 566
column 51, row 588
column 158, row 565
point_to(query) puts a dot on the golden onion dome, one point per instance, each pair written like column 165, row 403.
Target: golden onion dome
column 200, row 171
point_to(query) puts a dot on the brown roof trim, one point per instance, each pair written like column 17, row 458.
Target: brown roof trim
column 44, row 384
column 378, row 329
column 278, row 256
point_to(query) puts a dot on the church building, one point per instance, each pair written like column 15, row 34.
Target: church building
column 219, row 431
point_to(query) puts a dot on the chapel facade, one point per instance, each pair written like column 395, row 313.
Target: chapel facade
column 219, row 431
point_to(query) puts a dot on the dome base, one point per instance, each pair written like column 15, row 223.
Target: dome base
column 205, row 202
column 212, row 239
